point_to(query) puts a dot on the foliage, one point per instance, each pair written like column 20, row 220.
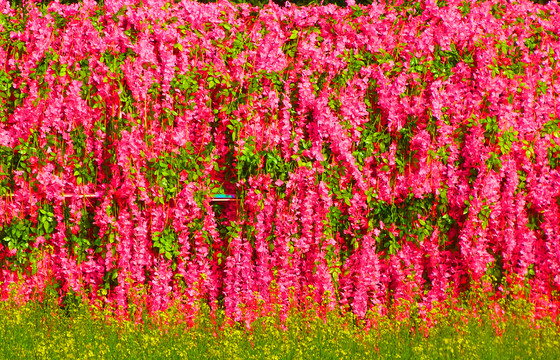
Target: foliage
column 378, row 154
column 42, row 330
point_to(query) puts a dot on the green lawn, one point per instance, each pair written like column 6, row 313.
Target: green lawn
column 42, row 330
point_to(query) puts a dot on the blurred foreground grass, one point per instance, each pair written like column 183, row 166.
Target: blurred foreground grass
column 44, row 330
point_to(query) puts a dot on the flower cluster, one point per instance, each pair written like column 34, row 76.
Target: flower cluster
column 377, row 154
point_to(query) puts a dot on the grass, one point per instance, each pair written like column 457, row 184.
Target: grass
column 44, row 330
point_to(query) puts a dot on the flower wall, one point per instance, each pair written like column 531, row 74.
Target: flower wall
column 378, row 153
